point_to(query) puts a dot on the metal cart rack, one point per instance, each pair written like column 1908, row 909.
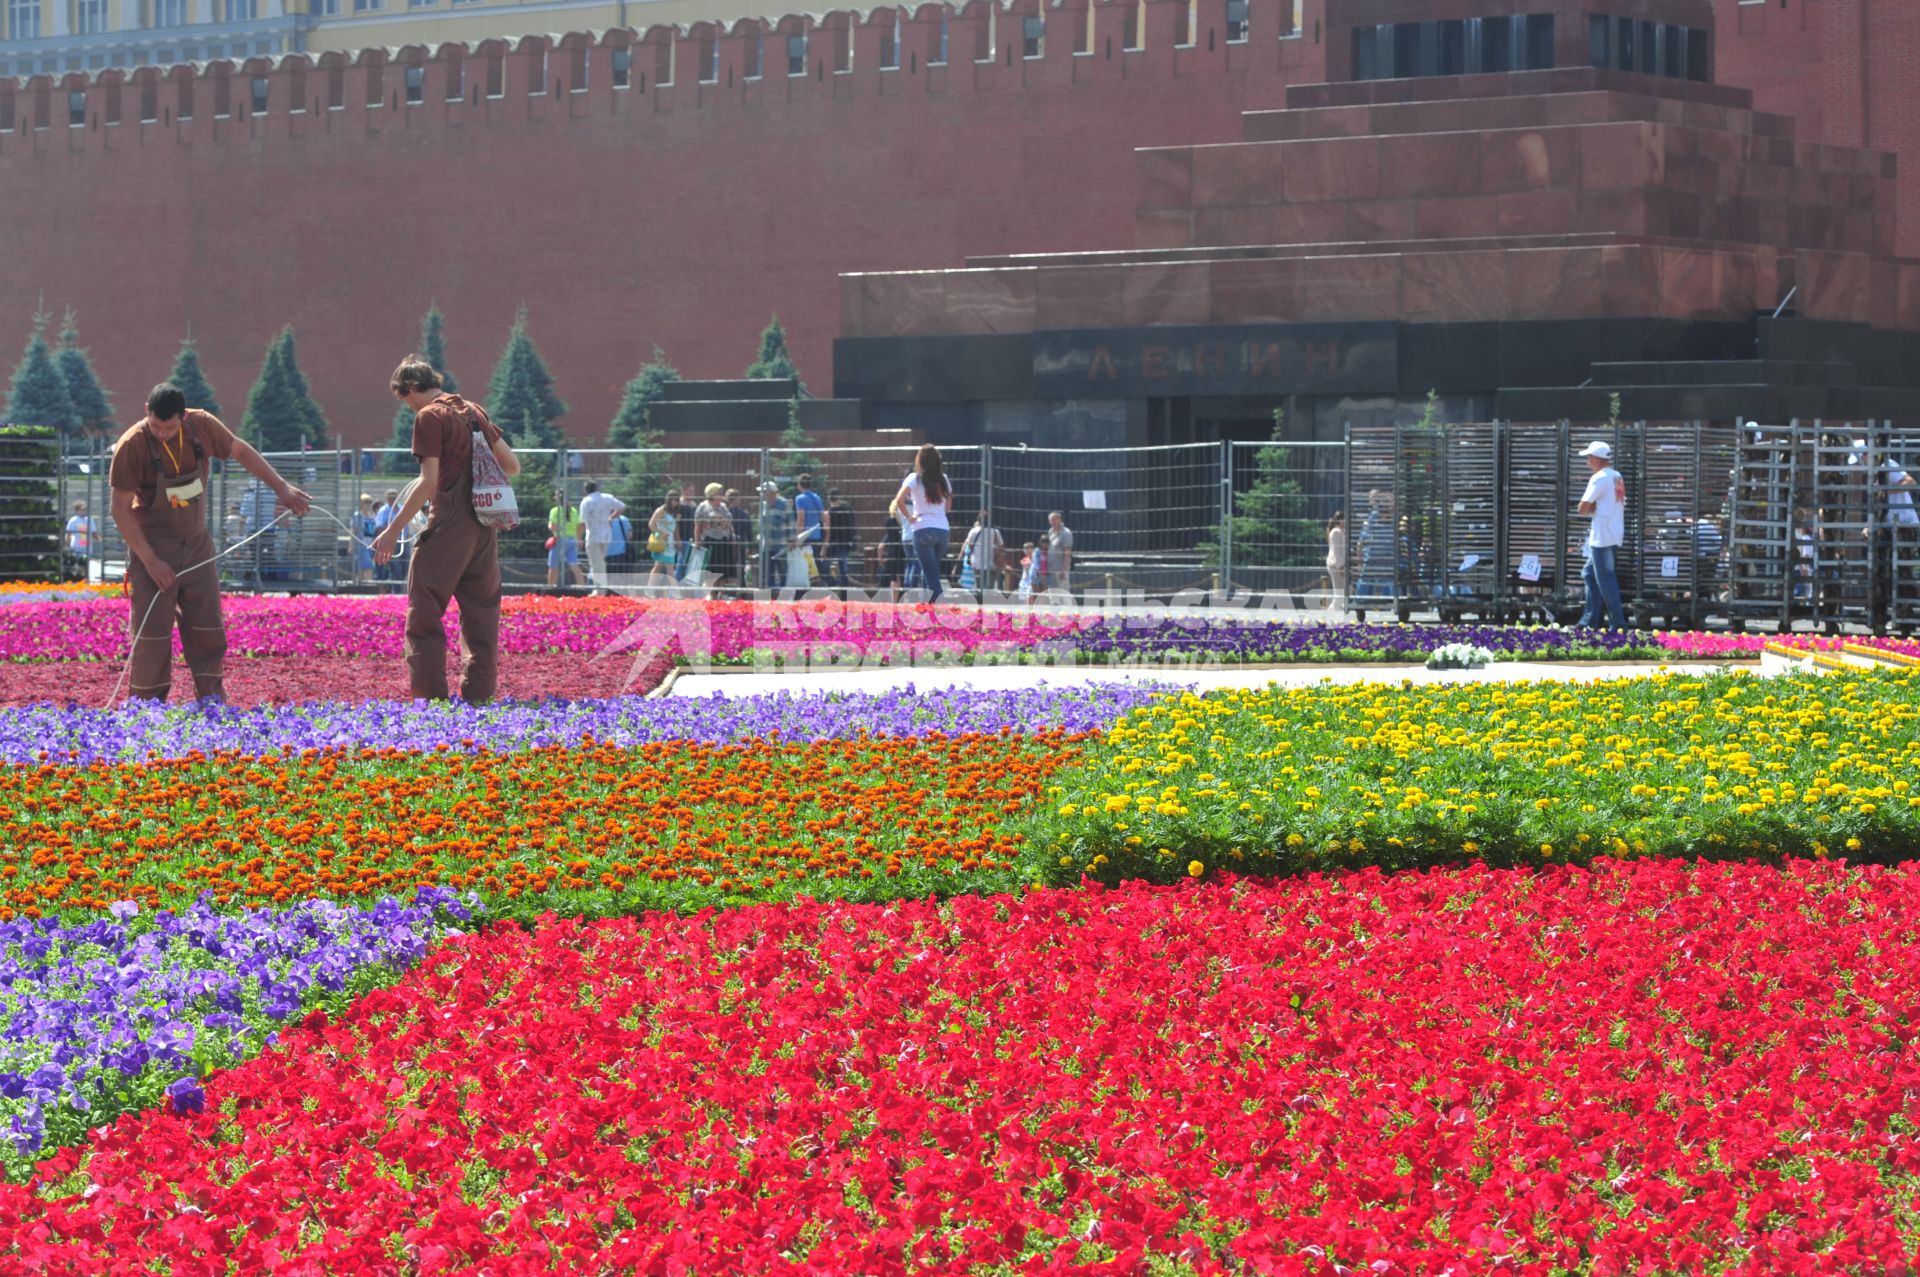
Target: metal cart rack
column 1684, row 475
column 1468, row 566
column 1847, row 573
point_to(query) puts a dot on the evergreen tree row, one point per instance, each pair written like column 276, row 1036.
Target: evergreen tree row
column 56, row 386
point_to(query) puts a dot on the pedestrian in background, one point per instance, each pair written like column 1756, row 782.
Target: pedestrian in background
column 840, row 538
column 664, row 537
column 563, row 549
column 597, row 512
column 1605, row 501
column 1337, row 561
column 980, row 552
column 923, row 499
column 365, row 529
column 80, row 531
column 1059, row 553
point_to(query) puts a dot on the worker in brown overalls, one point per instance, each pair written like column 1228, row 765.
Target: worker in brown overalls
column 159, row 480
column 457, row 557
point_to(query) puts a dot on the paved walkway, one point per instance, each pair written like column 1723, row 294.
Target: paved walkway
column 930, row 678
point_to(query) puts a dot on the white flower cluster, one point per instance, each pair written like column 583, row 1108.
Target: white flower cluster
column 1459, row 656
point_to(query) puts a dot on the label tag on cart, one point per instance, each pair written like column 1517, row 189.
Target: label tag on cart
column 1670, row 567
column 1529, row 567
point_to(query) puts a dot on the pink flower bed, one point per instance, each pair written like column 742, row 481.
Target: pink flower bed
column 96, row 629
column 1740, row 646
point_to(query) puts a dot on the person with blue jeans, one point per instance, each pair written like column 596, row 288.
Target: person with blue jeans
column 1605, row 501
column 810, row 510
column 923, row 498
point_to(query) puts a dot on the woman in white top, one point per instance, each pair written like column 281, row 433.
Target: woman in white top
column 1337, row 561
column 924, row 499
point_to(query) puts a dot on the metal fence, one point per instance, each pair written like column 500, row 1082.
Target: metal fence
column 1750, row 524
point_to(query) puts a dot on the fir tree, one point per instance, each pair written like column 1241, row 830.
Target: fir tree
column 191, row 381
column 1272, row 521
column 92, row 410
column 433, row 349
column 281, row 415
column 520, row 394
column 775, row 360
column 796, row 455
column 39, row 393
column 313, row 423
column 642, row 471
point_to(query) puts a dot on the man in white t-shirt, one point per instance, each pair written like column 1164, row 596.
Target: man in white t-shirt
column 597, row 512
column 80, row 530
column 1605, row 501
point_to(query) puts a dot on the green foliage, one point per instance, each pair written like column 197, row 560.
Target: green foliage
column 39, row 394
column 92, row 410
column 641, row 473
column 1613, row 409
column 433, row 348
column 775, row 359
column 281, row 414
column 795, row 453
column 520, row 395
column 1430, row 414
column 192, row 382
column 1273, row 521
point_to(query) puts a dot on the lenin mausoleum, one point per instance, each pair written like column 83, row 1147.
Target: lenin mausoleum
column 1081, row 223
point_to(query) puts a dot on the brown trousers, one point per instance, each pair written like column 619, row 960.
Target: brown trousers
column 457, row 558
column 195, row 599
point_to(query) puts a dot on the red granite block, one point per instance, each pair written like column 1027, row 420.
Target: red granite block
column 1626, row 155
column 1442, row 286
column 1836, row 286
column 1429, row 164
column 1170, row 229
column 1629, row 279
column 1369, row 221
column 1553, row 283
column 1621, row 212
column 1307, row 224
column 1537, row 213
column 1246, row 224
column 1257, row 291
column 1461, row 217
column 1163, row 177
column 1352, row 287
column 1311, row 172
column 1360, row 168
column 1237, row 173
column 1163, row 293
column 987, row 301
column 1528, row 160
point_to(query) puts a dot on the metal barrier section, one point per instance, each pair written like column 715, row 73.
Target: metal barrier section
column 1469, row 516
column 1540, row 575
column 1685, row 475
column 1142, row 518
column 1766, row 557
column 1808, row 523
column 1284, row 496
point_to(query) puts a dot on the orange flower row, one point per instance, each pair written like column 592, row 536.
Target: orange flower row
column 588, row 828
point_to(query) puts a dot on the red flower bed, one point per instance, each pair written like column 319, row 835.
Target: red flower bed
column 277, row 680
column 1647, row 1068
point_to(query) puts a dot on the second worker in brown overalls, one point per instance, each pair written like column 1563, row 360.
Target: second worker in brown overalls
column 457, row 558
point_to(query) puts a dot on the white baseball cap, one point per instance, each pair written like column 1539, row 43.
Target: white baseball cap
column 1598, row 449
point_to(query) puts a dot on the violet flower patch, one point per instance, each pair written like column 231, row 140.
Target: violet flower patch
column 107, row 1017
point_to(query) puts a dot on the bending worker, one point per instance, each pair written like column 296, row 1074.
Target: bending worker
column 159, row 480
column 458, row 556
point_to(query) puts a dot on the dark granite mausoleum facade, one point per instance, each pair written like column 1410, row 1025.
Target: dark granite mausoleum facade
column 1526, row 205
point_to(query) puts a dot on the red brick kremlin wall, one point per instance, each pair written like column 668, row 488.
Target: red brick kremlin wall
column 675, row 211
